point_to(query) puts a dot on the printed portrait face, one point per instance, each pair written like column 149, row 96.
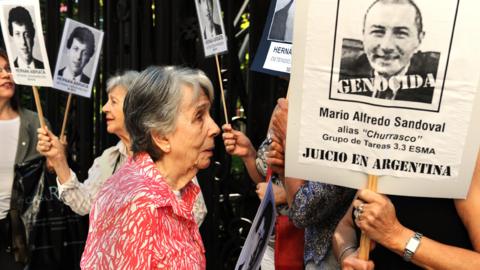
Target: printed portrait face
column 78, row 56
column 391, row 37
column 23, row 40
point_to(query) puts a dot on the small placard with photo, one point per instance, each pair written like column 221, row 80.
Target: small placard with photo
column 274, row 54
column 259, row 234
column 77, row 58
column 23, row 35
column 211, row 27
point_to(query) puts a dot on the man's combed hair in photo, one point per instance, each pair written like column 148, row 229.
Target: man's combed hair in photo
column 20, row 16
column 418, row 14
column 85, row 36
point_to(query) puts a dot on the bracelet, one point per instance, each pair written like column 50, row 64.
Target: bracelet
column 344, row 251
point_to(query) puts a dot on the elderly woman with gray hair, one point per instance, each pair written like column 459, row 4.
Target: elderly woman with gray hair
column 79, row 196
column 142, row 217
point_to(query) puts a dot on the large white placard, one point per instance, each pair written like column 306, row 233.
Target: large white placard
column 388, row 90
column 77, row 58
column 22, row 31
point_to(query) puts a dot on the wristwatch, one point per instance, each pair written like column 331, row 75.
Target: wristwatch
column 412, row 246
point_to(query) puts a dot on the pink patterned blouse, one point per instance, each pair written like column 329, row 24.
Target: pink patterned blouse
column 137, row 222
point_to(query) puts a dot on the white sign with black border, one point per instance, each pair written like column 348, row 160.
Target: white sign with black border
column 406, row 108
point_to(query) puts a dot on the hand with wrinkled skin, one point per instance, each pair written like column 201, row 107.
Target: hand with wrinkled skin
column 276, row 158
column 378, row 220
column 278, row 122
column 278, row 191
column 53, row 149
column 352, row 262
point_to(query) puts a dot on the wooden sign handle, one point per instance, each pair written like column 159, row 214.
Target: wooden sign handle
column 364, row 251
column 38, row 104
column 220, row 81
column 65, row 116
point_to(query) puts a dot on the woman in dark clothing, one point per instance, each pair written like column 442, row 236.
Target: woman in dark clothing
column 18, row 140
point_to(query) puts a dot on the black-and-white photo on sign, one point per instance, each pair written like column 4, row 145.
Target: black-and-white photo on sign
column 392, row 55
column 274, row 54
column 386, row 88
column 23, row 35
column 211, row 27
column 77, row 58
column 281, row 27
column 257, row 239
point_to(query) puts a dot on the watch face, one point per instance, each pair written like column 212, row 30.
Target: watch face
column 412, row 244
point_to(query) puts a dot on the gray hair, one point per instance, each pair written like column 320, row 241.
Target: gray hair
column 153, row 102
column 124, row 80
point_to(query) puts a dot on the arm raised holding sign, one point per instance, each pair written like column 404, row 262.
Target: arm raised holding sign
column 430, row 233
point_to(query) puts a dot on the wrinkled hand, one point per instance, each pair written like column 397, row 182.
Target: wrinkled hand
column 50, row 146
column 352, row 262
column 237, row 143
column 278, row 191
column 379, row 220
column 276, row 158
column 278, row 122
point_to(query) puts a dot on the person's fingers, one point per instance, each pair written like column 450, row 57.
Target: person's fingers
column 275, row 162
column 367, row 195
column 276, row 145
column 227, row 128
column 228, row 135
column 230, row 148
column 282, row 103
column 41, row 131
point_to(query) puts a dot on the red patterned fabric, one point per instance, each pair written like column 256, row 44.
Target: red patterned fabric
column 137, row 222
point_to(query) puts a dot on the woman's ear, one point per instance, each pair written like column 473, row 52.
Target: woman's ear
column 161, row 142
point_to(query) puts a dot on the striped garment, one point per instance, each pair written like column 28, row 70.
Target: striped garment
column 137, row 222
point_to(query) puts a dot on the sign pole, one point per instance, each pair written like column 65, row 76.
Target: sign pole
column 39, row 106
column 221, row 88
column 365, row 242
column 65, row 116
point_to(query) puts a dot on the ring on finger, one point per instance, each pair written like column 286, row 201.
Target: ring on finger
column 358, row 211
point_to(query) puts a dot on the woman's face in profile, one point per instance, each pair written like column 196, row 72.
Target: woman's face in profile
column 113, row 110
column 7, row 87
column 192, row 142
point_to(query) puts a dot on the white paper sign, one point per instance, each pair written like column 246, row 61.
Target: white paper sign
column 388, row 90
column 212, row 31
column 22, row 31
column 77, row 58
column 279, row 57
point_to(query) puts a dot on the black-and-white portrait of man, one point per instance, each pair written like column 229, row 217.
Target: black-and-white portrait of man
column 22, row 34
column 257, row 241
column 388, row 58
column 281, row 28
column 80, row 47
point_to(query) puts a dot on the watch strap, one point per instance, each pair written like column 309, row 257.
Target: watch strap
column 412, row 246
